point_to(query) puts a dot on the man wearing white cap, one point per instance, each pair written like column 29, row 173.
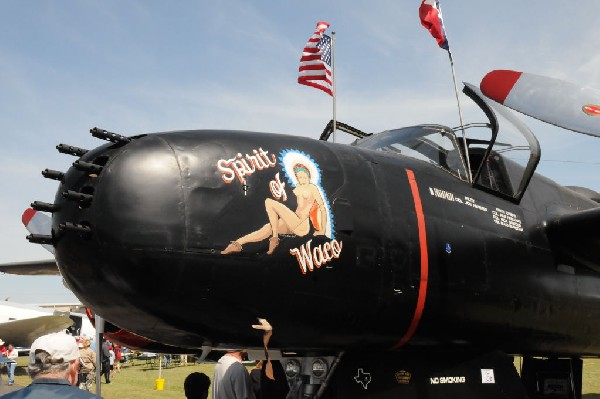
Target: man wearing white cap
column 53, row 367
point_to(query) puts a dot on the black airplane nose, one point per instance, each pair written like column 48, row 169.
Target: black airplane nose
column 140, row 220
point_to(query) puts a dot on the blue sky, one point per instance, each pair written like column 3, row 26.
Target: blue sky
column 145, row 66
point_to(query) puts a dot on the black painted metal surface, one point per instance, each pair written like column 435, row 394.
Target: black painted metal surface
column 360, row 270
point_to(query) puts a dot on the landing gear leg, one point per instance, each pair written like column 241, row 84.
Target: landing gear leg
column 553, row 378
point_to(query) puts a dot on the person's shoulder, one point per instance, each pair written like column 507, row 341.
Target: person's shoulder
column 227, row 359
column 81, row 394
column 88, row 395
column 72, row 392
column 12, row 395
column 77, row 393
column 50, row 392
column 238, row 367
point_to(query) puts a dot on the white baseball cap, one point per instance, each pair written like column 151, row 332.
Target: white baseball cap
column 60, row 346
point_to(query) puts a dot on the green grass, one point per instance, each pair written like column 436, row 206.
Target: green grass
column 138, row 381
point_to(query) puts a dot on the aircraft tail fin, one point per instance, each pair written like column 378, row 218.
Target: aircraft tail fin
column 550, row 100
column 576, row 238
column 39, row 224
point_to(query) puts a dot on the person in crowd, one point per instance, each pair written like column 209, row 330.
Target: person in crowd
column 118, row 357
column 255, row 378
column 272, row 382
column 2, row 353
column 53, row 366
column 275, row 387
column 87, row 358
column 196, row 386
column 112, row 357
column 13, row 356
column 231, row 379
column 106, row 361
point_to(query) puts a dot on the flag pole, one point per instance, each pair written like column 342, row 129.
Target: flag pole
column 444, row 34
column 460, row 117
column 333, row 70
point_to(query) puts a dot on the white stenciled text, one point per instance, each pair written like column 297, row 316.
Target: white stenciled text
column 447, row 380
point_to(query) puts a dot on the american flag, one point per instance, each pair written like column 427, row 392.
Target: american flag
column 315, row 64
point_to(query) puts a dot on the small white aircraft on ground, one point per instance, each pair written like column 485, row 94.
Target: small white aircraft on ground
column 21, row 324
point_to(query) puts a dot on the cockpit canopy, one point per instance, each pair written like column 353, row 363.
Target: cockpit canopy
column 435, row 144
column 498, row 157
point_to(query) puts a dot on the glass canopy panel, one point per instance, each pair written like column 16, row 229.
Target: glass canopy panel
column 434, row 144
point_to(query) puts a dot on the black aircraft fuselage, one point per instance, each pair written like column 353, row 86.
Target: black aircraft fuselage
column 187, row 237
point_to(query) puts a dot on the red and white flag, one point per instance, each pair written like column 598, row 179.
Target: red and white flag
column 431, row 18
column 315, row 64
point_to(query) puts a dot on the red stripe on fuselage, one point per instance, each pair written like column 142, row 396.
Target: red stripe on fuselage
column 414, row 188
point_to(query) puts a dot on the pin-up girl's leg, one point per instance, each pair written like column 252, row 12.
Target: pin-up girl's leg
column 236, row 246
column 283, row 220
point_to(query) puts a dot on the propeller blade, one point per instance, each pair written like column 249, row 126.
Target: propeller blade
column 550, row 100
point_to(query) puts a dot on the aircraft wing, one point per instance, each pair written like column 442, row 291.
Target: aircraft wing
column 33, row 268
column 577, row 238
column 23, row 332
